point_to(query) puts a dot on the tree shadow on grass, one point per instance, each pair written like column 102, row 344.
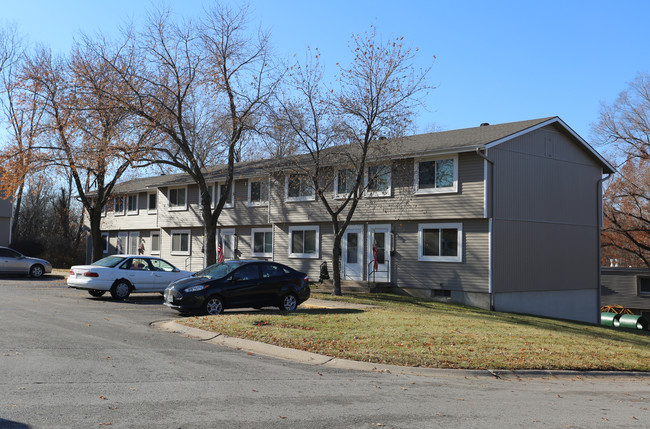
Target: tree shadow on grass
column 8, row 424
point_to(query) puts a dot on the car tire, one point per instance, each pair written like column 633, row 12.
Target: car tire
column 96, row 293
column 36, row 271
column 121, row 290
column 213, row 306
column 289, row 302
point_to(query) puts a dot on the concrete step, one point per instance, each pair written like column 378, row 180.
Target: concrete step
column 349, row 286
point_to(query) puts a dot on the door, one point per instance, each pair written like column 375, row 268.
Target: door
column 134, row 241
column 11, row 261
column 120, row 247
column 242, row 287
column 352, row 253
column 228, row 241
column 379, row 253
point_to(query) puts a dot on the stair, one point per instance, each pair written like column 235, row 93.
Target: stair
column 349, row 286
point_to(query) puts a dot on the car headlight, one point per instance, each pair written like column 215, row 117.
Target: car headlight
column 195, row 288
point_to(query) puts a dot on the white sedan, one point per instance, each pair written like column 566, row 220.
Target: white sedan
column 123, row 274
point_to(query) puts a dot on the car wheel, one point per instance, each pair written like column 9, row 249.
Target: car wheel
column 214, row 306
column 96, row 293
column 289, row 302
column 121, row 290
column 36, row 271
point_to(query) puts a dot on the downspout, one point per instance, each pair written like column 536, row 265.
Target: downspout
column 599, row 219
column 489, row 203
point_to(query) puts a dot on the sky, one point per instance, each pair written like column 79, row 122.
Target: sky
column 495, row 61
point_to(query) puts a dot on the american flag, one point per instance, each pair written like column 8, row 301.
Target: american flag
column 374, row 257
column 220, row 252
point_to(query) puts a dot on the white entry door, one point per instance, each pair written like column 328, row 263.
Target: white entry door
column 352, row 253
column 379, row 249
column 134, row 241
column 229, row 242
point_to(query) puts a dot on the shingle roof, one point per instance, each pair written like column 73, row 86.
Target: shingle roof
column 461, row 140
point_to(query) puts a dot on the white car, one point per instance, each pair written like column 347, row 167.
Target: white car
column 123, row 274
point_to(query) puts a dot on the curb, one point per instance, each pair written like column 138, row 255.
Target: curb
column 309, row 358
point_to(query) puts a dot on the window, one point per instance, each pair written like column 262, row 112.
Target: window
column 229, row 198
column 298, row 187
column 105, row 241
column 211, row 192
column 262, row 242
column 155, row 243
column 378, row 181
column 273, row 270
column 180, row 242
column 177, row 199
column 258, row 192
column 344, row 182
column 441, row 242
column 304, row 242
column 644, row 285
column 160, row 265
column 119, row 206
column 132, row 204
column 247, row 273
column 436, row 175
column 152, row 203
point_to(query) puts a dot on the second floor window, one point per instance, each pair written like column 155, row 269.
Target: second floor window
column 229, row 197
column 132, row 204
column 436, row 175
column 177, row 199
column 152, row 201
column 119, row 206
column 378, row 180
column 299, row 188
column 258, row 192
column 344, row 182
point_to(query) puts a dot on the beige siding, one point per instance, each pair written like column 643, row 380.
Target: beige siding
column 546, row 208
column 309, row 266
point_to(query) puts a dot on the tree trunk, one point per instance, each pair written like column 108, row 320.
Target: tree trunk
column 95, row 216
column 16, row 221
column 210, row 242
column 336, row 261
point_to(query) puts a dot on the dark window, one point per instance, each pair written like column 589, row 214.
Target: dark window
column 248, row 272
column 272, row 270
column 8, row 253
column 644, row 285
column 152, row 202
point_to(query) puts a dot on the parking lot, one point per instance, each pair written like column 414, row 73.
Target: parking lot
column 69, row 360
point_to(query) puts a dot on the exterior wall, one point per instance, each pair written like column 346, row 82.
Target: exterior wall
column 619, row 286
column 5, row 222
column 561, row 304
column 545, row 232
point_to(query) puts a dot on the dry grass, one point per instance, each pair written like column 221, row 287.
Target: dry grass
column 411, row 332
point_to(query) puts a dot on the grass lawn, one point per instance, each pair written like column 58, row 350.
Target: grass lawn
column 412, row 332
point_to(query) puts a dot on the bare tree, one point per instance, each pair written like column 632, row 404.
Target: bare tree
column 376, row 98
column 625, row 126
column 200, row 86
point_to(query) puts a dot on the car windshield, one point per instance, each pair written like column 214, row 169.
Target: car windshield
column 109, row 261
column 218, row 270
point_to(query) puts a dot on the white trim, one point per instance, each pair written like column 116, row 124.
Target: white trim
column 176, row 207
column 150, row 210
column 459, row 251
column 258, row 203
column 379, row 194
column 485, row 186
column 338, row 196
column 355, row 229
column 446, row 190
column 227, row 205
column 137, row 201
column 134, row 236
column 315, row 255
column 387, row 229
column 223, row 233
column 287, row 198
column 263, row 231
column 124, row 235
column 490, row 270
column 189, row 242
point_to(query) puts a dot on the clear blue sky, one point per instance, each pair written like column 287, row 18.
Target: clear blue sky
column 497, row 61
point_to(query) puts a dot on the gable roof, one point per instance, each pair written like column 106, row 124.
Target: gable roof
column 453, row 141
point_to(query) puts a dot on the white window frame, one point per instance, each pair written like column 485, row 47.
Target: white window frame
column 212, row 199
column 115, row 203
column 228, row 232
column 123, row 238
column 132, row 212
column 315, row 255
column 176, row 207
column 105, row 237
column 336, row 183
column 262, row 231
column 264, row 182
column 440, row 226
column 149, row 209
column 375, row 194
column 227, row 205
column 311, row 197
column 189, row 242
column 427, row 191
column 154, row 233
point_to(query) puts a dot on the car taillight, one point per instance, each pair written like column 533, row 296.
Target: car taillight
column 306, row 279
column 71, row 273
column 91, row 274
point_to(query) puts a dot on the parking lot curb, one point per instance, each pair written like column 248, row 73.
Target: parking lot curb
column 309, row 358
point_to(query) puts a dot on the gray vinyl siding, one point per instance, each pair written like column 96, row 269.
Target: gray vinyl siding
column 311, row 266
column 546, row 214
column 619, row 286
column 470, row 275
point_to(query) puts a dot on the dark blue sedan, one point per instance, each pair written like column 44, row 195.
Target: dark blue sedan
column 238, row 284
